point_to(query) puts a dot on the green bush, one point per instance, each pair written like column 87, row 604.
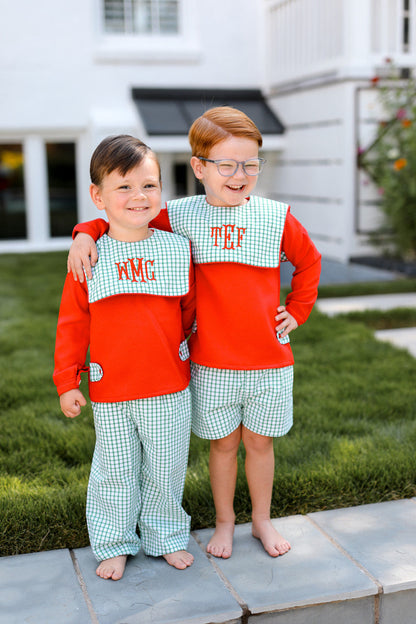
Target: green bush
column 391, row 159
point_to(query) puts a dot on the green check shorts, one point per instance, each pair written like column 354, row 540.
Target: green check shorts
column 222, row 399
column 137, row 476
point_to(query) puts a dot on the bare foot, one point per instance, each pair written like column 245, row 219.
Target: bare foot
column 112, row 568
column 273, row 543
column 180, row 559
column 221, row 543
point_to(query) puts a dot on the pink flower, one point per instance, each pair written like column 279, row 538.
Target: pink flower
column 401, row 113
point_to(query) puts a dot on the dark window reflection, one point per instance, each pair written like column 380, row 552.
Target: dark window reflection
column 12, row 192
column 62, row 188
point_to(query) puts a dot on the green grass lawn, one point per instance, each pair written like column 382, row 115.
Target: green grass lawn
column 353, row 440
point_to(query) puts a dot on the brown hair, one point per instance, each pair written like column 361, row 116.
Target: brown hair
column 217, row 124
column 121, row 152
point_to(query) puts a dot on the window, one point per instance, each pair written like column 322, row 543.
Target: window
column 12, row 192
column 61, row 188
column 393, row 27
column 406, row 26
column 159, row 31
column 149, row 17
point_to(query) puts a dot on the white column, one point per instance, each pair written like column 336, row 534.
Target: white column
column 36, row 189
column 86, row 208
column 358, row 20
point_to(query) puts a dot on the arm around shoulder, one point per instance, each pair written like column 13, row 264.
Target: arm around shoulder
column 83, row 252
column 95, row 228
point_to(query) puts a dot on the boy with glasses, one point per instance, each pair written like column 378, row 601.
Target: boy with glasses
column 241, row 361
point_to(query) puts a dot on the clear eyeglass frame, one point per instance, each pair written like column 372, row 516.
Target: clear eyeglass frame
column 251, row 167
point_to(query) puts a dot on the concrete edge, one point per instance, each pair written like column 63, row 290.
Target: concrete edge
column 377, row 591
column 346, row 554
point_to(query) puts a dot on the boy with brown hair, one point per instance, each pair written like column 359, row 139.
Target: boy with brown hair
column 241, row 361
column 133, row 313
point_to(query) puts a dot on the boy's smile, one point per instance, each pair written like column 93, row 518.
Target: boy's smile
column 131, row 201
column 223, row 190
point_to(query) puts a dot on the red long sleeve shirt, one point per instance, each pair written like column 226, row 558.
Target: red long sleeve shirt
column 134, row 338
column 236, row 303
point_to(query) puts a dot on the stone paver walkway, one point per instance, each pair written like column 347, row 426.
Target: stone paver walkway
column 404, row 338
column 346, row 566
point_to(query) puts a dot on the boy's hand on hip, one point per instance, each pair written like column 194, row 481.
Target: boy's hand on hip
column 286, row 322
column 71, row 402
column 82, row 253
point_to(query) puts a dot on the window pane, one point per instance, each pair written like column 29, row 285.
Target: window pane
column 180, row 178
column 168, row 16
column 150, row 17
column 12, row 196
column 142, row 12
column 406, row 34
column 62, row 188
column 114, row 16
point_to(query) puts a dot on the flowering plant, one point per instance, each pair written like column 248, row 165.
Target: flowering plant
column 390, row 160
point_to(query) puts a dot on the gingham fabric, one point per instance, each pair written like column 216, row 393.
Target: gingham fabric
column 158, row 265
column 137, row 476
column 249, row 234
column 222, row 399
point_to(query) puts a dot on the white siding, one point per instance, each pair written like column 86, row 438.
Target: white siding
column 306, row 37
column 314, row 172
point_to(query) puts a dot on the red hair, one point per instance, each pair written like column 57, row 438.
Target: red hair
column 217, row 124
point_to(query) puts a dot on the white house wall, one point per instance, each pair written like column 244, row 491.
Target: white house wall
column 315, row 171
column 321, row 52
column 61, row 79
column 54, row 72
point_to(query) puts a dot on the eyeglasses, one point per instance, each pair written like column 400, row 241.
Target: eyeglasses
column 228, row 167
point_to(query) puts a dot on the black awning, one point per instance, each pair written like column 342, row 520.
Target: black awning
column 172, row 111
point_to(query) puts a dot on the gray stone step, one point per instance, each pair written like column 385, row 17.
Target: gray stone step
column 346, row 566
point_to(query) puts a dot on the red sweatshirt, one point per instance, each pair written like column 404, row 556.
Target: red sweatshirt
column 236, row 303
column 133, row 338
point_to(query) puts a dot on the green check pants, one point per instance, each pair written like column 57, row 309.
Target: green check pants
column 138, row 475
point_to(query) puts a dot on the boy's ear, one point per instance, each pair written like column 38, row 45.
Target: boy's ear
column 197, row 167
column 96, row 196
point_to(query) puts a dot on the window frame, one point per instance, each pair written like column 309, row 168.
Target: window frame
column 183, row 46
column 155, row 19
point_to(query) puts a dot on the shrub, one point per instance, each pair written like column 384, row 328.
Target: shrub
column 390, row 160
